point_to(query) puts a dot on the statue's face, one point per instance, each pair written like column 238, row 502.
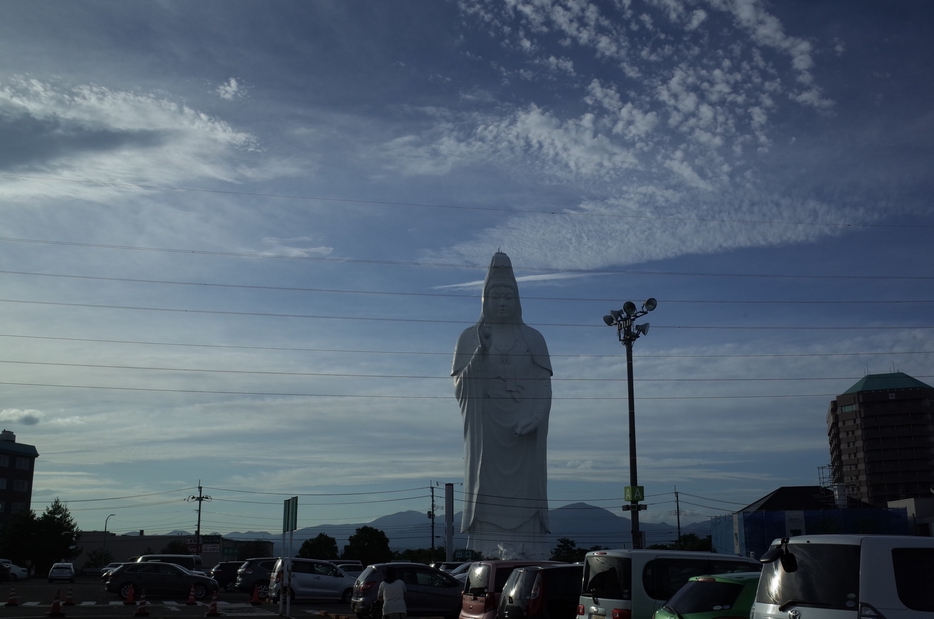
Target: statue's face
column 501, row 304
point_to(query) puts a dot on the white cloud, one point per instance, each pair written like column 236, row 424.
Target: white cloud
column 230, row 90
column 99, row 143
column 28, row 417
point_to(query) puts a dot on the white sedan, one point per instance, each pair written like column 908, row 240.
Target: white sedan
column 16, row 572
column 62, row 571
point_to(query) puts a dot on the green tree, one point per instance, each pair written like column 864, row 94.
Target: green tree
column 368, row 545
column 418, row 555
column 567, row 551
column 688, row 541
column 322, row 546
column 175, row 547
column 254, row 548
column 98, row 558
column 57, row 536
column 18, row 537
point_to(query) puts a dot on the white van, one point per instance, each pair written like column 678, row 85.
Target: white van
column 633, row 584
column 847, row 577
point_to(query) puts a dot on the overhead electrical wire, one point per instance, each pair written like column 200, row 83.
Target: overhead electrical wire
column 494, row 209
column 448, row 353
column 458, row 322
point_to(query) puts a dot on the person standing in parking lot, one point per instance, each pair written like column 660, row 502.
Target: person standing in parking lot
column 392, row 594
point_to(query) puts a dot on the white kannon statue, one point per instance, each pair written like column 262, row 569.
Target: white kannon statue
column 502, row 381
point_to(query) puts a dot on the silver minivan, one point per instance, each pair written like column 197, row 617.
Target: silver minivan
column 312, row 578
column 847, row 577
column 633, row 584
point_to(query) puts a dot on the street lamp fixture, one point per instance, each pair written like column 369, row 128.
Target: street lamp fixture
column 628, row 333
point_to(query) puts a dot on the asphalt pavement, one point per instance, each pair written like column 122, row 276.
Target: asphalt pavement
column 86, row 598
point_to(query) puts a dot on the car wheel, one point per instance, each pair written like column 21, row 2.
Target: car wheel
column 124, row 590
column 346, row 597
column 230, row 586
column 200, row 591
column 12, row 576
column 262, row 590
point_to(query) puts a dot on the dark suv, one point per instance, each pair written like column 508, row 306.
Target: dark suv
column 254, row 573
column 541, row 592
column 225, row 573
column 158, row 579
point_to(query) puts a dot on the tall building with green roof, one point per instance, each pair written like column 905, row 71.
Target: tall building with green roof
column 881, row 435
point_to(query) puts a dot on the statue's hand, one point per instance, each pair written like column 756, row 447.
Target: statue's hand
column 525, row 426
column 485, row 335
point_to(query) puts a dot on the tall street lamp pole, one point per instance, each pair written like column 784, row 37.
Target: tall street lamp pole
column 104, row 549
column 628, row 333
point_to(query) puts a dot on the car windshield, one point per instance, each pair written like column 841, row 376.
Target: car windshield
column 704, row 595
column 826, row 576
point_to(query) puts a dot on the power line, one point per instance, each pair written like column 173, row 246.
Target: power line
column 563, row 212
column 448, row 295
column 397, row 396
column 410, row 263
column 460, row 322
column 449, row 353
column 444, row 377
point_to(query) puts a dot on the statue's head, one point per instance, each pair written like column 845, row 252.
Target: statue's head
column 501, row 292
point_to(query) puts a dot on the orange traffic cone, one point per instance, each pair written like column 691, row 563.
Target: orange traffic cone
column 191, row 597
column 129, row 596
column 56, row 610
column 255, row 601
column 142, row 609
column 12, row 601
column 69, row 598
column 212, row 609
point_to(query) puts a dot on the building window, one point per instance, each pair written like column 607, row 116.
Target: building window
column 20, row 485
column 23, row 463
column 18, row 507
column 4, row 460
column 2, row 483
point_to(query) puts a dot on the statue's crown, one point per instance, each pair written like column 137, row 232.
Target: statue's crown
column 500, row 271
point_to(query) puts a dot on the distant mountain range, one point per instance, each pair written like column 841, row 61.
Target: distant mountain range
column 586, row 525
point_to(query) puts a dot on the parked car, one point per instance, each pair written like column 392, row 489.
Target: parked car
column 191, row 563
column 311, row 579
column 484, row 584
column 158, row 579
column 428, row 591
column 225, row 573
column 847, row 577
column 460, row 572
column 14, row 572
column 541, row 592
column 108, row 567
column 254, row 574
column 62, row 571
column 713, row 597
column 447, row 566
column 635, row 583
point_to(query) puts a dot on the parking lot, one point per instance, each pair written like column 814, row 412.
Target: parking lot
column 86, row 598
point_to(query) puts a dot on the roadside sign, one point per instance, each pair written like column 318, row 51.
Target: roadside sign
column 634, row 493
column 290, row 514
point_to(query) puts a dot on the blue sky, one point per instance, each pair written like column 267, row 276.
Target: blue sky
column 240, row 239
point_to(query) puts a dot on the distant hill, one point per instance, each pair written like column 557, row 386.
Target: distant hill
column 586, row 524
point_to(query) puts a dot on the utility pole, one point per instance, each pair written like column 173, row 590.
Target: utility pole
column 431, row 515
column 201, row 498
column 678, row 512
